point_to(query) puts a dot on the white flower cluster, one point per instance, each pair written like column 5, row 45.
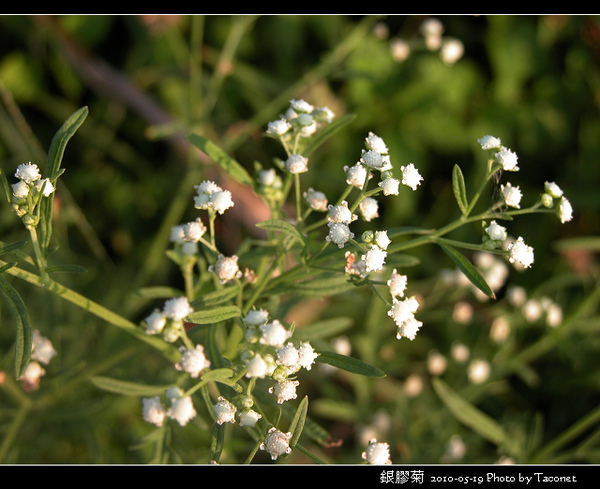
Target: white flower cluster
column 169, row 320
column 181, row 408
column 28, row 191
column 377, row 453
column 276, row 357
column 209, row 195
column 42, row 352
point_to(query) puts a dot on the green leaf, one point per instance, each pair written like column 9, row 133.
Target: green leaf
column 320, row 286
column 469, row 270
column 324, row 329
column 474, row 418
column 127, row 388
column 66, row 269
column 297, row 424
column 222, row 375
column 327, row 132
column 24, row 337
column 9, row 248
column 349, row 364
column 226, row 162
column 216, row 297
column 53, row 162
column 281, row 226
column 458, row 187
column 215, row 315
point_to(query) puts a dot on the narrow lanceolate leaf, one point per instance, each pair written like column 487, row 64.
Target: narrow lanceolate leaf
column 221, row 158
column 280, row 226
column 127, row 388
column 211, row 316
column 469, row 270
column 297, row 424
column 474, row 418
column 460, row 192
column 349, row 364
column 24, row 337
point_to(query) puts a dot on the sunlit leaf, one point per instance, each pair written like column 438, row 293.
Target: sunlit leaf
column 458, row 187
column 127, row 388
column 469, row 270
column 349, row 364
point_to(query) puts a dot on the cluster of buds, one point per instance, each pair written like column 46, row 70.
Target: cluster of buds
column 28, row 192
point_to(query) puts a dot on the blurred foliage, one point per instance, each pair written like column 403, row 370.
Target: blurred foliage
column 533, row 81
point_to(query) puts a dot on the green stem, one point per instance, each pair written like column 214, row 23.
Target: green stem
column 41, row 262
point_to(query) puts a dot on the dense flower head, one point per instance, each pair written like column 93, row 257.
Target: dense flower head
column 153, row 411
column 177, row 308
column 389, row 185
column 155, row 322
column 520, row 253
column 372, row 159
column 256, row 317
column 411, row 176
column 316, row 200
column 369, row 208
column 274, row 333
column 306, row 355
column 284, row 390
column 402, row 312
column 276, row 443
column 259, row 365
column 297, row 163
column 28, row 172
column 339, row 233
column 564, row 210
column 193, row 231
column 249, row 417
column 20, row 190
column 375, row 143
column 374, row 259
column 226, row 268
column 288, row 355
column 553, row 189
column 508, row 159
column 356, row 175
column 209, row 195
column 377, row 453
column 42, row 349
column 182, row 410
column 489, row 142
column 511, row 195
column 193, row 360
column 279, row 127
column 496, row 232
column 397, row 284
column 224, row 411
column 341, row 213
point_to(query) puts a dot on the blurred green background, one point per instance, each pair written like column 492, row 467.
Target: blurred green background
column 533, row 81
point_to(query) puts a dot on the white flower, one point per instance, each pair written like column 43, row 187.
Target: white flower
column 182, row 410
column 452, row 50
column 177, row 308
column 403, row 310
column 153, row 411
column 496, row 232
column 564, row 210
column 301, row 106
column 409, row 328
column 225, row 411
column 512, row 195
column 436, row 362
column 377, row 453
column 20, row 190
column 31, row 378
column 256, row 317
column 297, row 163
column 317, row 200
column 274, row 334
column 221, row 201
column 341, row 213
column 307, row 355
column 382, row 240
column 226, row 268
column 43, row 351
column 339, row 233
column 397, row 284
column 410, row 176
column 288, row 355
column 249, row 417
column 489, row 142
column 278, row 127
column 369, row 207
column 193, row 231
column 258, row 366
column 389, row 186
column 276, row 443
column 507, row 159
column 176, row 235
column 28, row 172
column 520, row 253
column 45, row 187
column 374, row 259
column 193, row 360
column 155, row 322
column 554, row 190
column 375, row 143
column 356, row 175
column 284, row 390
column 372, row 159
column 478, row 371
column 400, row 49
column 204, row 191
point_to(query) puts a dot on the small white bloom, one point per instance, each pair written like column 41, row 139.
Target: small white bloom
column 259, row 366
column 32, row 376
column 284, row 390
column 400, row 49
column 317, row 200
column 390, row 186
column 276, row 443
column 177, row 235
column 307, row 355
column 356, row 175
column 409, row 328
column 226, row 268
column 323, row 114
column 45, row 187
column 372, row 159
column 177, row 308
column 193, row 231
column 565, row 211
column 204, row 191
column 507, row 159
column 221, row 201
column 297, row 163
column 397, row 284
column 193, row 360
column 403, row 310
column 301, row 106
column 288, row 355
column 512, row 195
column 249, row 417
column 20, row 190
column 554, row 190
column 155, row 322
column 28, row 172
column 278, row 127
column 305, row 119
column 377, row 453
column 225, row 411
column 341, row 213
column 256, row 317
column 339, row 233
column 374, row 259
column 42, row 349
column 452, row 50
column 375, row 143
column 153, row 411
column 520, row 253
column 182, row 410
column 382, row 239
column 496, row 232
column 274, row 333
column 410, row 176
column 478, row 371
column 369, row 208
column 489, row 142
